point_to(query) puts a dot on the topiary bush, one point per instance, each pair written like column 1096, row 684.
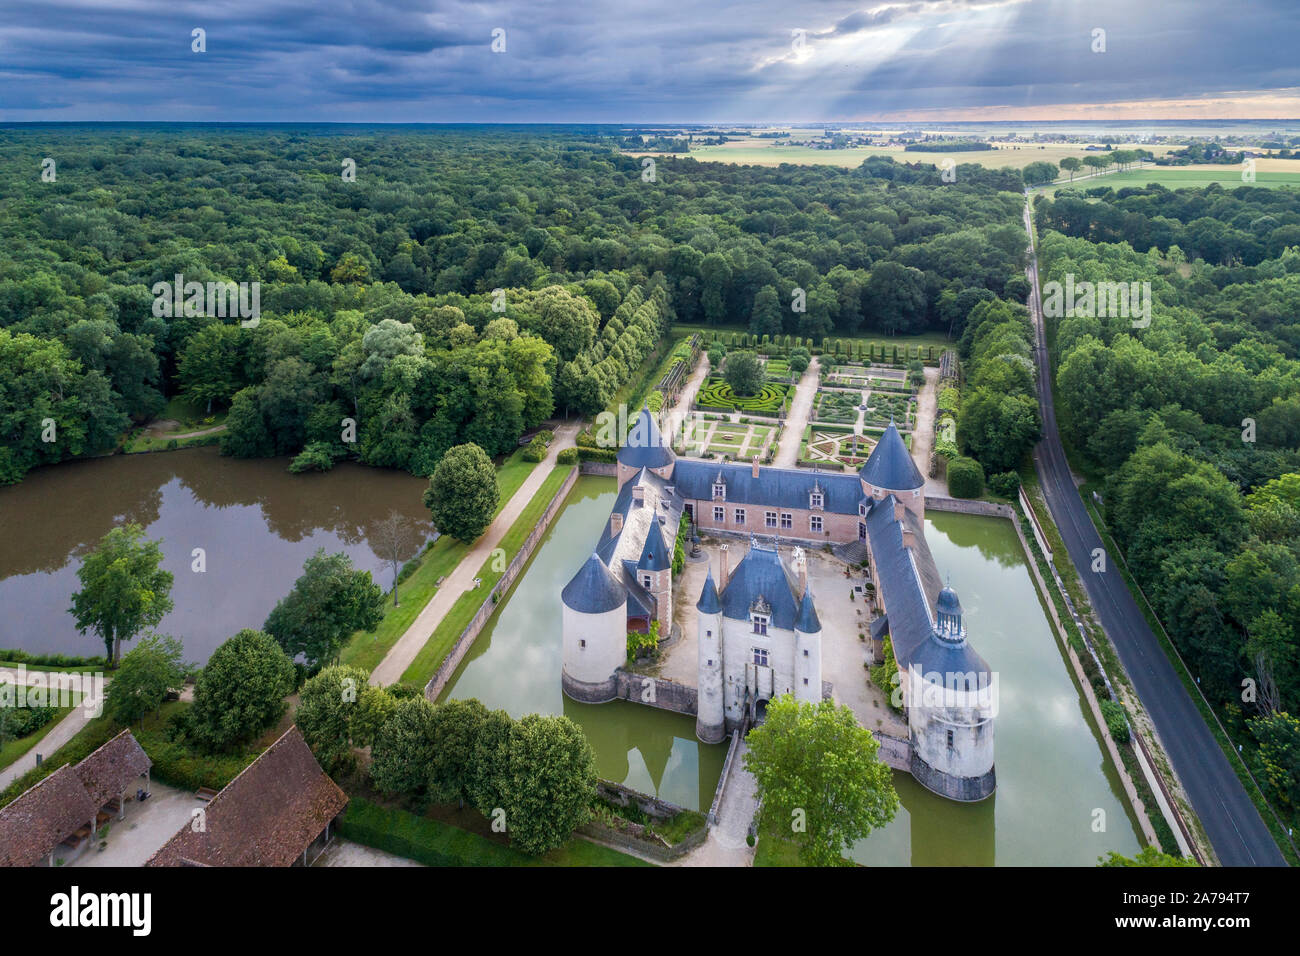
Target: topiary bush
column 965, row 478
column 568, row 456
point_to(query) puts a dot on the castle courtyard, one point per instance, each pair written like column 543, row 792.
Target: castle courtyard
column 843, row 620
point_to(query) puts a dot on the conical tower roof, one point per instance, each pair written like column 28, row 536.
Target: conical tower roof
column 594, row 589
column 709, row 602
column 890, row 465
column 645, row 447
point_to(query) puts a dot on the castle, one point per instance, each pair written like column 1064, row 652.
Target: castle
column 758, row 631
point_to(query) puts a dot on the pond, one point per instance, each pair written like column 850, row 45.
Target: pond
column 1059, row 801
column 255, row 522
column 515, row 666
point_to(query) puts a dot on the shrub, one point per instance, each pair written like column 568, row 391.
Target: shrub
column 535, row 451
column 597, row 454
column 568, row 456
column 241, row 690
column 1116, row 722
column 318, row 456
column 965, row 478
column 1005, row 485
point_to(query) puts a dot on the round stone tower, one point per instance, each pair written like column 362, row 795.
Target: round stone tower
column 710, row 725
column 891, row 470
column 951, row 703
column 595, row 633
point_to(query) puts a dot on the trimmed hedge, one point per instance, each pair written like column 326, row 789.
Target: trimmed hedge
column 597, row 454
column 965, row 478
column 568, row 456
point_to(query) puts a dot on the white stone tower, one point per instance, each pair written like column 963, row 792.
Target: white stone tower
column 595, row 633
column 807, row 651
column 710, row 725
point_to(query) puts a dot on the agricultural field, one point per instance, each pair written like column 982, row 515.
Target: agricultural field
column 1271, row 174
column 1014, row 155
column 717, row 395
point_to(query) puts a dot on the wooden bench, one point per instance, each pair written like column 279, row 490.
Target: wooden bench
column 205, row 793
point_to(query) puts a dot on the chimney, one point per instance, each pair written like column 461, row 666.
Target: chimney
column 803, row 574
column 755, row 471
column 615, row 523
column 723, row 571
column 900, row 509
column 638, row 495
column 909, row 537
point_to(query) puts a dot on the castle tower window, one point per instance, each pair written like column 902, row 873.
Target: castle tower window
column 645, row 581
column 950, row 738
column 805, row 682
column 815, row 523
column 582, row 643
column 760, row 656
column 760, row 626
column 769, row 518
column 720, row 514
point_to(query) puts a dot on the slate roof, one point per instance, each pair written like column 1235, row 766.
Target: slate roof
column 669, row 507
column 266, row 816
column 654, row 556
column 43, row 817
column 909, row 583
column 645, row 446
column 807, row 620
column 776, row 487
column 890, row 464
column 709, row 603
column 761, row 572
column 113, row 769
column 594, row 589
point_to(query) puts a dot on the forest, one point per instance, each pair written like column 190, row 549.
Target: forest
column 423, row 288
column 1193, row 423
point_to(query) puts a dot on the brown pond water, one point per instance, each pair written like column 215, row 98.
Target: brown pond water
column 256, row 523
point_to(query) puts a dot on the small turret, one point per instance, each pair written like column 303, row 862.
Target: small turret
column 710, row 725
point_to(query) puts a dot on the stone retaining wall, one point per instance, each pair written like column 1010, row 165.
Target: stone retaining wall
column 969, row 506
column 606, row 469
column 467, row 637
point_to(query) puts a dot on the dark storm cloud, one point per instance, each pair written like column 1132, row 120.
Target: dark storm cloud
column 401, row 60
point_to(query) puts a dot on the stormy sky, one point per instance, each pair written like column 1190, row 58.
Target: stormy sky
column 652, row 61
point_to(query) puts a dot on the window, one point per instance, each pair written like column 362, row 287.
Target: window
column 719, row 514
column 787, row 520
column 760, row 627
column 645, row 581
column 582, row 643
column 708, row 633
column 760, row 657
column 950, row 738
column 916, row 493
column 770, row 519
column 862, row 509
column 805, row 654
column 740, row 516
column 805, row 682
column 815, row 523
column 720, row 491
column 815, row 500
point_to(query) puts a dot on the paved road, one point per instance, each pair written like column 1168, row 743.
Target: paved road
column 1230, row 819
column 787, row 453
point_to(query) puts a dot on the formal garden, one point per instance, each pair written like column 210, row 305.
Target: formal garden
column 707, row 437
column 829, row 447
column 771, row 398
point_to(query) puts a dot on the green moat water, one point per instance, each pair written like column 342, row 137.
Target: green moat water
column 1053, row 771
column 515, row 666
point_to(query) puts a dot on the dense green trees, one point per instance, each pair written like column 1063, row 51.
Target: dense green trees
column 819, row 778
column 329, row 602
column 123, row 588
column 743, row 372
column 376, row 297
column 1194, row 420
column 147, row 673
column 327, row 709
column 463, row 494
column 240, row 692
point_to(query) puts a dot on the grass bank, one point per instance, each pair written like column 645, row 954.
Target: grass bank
column 454, row 622
column 436, row 562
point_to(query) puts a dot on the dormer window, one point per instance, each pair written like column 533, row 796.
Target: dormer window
column 720, row 491
column 816, row 499
column 760, row 625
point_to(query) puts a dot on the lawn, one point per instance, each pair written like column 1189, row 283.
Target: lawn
column 1014, row 155
column 435, row 843
column 13, row 749
column 454, row 622
column 368, row 649
column 1182, row 177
